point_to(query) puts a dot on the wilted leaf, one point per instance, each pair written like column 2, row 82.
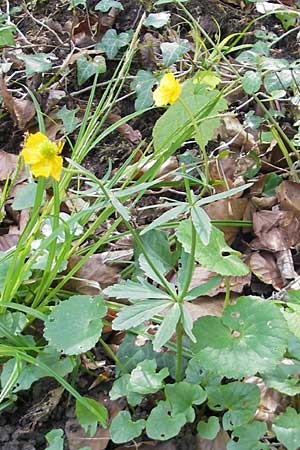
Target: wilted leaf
column 264, row 266
column 130, row 134
column 219, row 443
column 8, row 241
column 288, row 193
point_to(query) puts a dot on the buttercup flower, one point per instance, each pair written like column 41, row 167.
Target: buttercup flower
column 43, row 155
column 168, row 90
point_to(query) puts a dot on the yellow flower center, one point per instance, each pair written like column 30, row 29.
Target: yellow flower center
column 48, row 149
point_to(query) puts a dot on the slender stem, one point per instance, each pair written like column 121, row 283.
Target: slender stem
column 191, row 265
column 112, row 355
column 227, row 294
column 179, row 335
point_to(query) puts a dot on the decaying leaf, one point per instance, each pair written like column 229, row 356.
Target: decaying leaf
column 8, row 163
column 288, row 193
column 134, row 137
column 219, row 443
column 93, row 276
column 149, row 48
column 21, row 110
column 202, row 275
column 285, row 264
column 264, row 266
column 205, row 306
column 169, row 166
column 232, row 131
column 275, row 230
column 8, row 241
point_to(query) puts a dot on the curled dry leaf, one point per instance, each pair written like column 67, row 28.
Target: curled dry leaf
column 8, row 163
column 134, row 137
column 201, row 275
column 149, row 48
column 288, row 193
column 275, row 230
column 169, row 166
column 93, row 276
column 264, row 202
column 205, row 306
column 20, row 110
column 227, row 209
column 232, row 131
column 271, row 402
column 8, row 241
column 285, row 264
column 219, row 443
column 264, row 267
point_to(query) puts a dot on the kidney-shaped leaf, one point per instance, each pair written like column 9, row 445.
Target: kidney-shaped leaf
column 75, row 325
column 145, row 380
column 250, row 337
column 287, row 428
column 123, row 429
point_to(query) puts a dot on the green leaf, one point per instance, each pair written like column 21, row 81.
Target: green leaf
column 120, row 389
column 164, row 2
column 251, row 81
column 157, row 20
column 199, row 291
column 172, row 51
column 201, row 223
column 106, row 5
column 25, row 197
column 182, row 396
column 135, row 291
column 14, row 322
column 112, row 42
column 133, row 315
column 145, row 380
column 175, row 124
column 248, row 437
column 284, row 378
column 88, row 419
column 167, row 327
column 123, row 429
column 278, row 80
column 39, row 63
column 55, row 439
column 272, row 180
column 68, row 118
column 6, row 36
column 287, row 428
column 161, row 424
column 250, row 337
column 142, row 85
column 74, row 325
column 209, row 429
column 241, row 400
column 165, row 217
column 217, row 255
column 86, row 68
column 30, row 373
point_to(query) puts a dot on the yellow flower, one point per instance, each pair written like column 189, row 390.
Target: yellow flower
column 43, row 155
column 168, row 90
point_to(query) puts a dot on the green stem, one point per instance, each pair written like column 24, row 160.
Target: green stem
column 112, row 355
column 179, row 336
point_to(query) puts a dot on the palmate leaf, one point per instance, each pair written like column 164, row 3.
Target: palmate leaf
column 168, row 327
column 133, row 315
column 250, row 337
column 133, row 290
column 241, row 400
column 216, row 255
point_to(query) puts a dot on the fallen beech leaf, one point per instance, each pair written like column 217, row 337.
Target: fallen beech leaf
column 285, row 264
column 8, row 163
column 133, row 136
column 219, row 443
column 205, row 306
column 275, row 230
column 227, row 209
column 288, row 193
column 264, row 267
column 93, row 276
column 8, row 241
column 233, row 131
column 149, row 48
column 202, row 275
column 271, row 402
column 264, row 202
column 21, row 110
column 170, row 165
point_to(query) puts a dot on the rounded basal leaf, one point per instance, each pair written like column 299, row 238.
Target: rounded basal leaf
column 182, row 396
column 250, row 337
column 287, row 429
column 216, row 255
column 120, row 388
column 209, row 429
column 241, row 400
column 145, row 380
column 247, row 437
column 123, row 429
column 161, row 424
column 75, row 325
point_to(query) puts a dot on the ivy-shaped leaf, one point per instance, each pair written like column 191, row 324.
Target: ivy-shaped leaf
column 112, row 42
column 68, row 118
column 86, row 68
column 39, row 63
column 172, row 51
column 216, row 255
column 157, row 20
column 123, row 429
column 74, row 325
column 251, row 81
column 241, row 400
column 250, row 337
column 142, row 85
column 106, row 5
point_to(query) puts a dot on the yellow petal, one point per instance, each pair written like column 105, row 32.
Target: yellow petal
column 168, row 91
column 41, row 169
column 56, row 167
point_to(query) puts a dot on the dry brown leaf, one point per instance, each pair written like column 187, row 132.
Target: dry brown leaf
column 227, row 209
column 271, row 402
column 169, row 166
column 202, row 275
column 20, row 110
column 205, row 307
column 264, row 202
column 93, row 276
column 219, row 443
column 285, row 264
column 288, row 194
column 8, row 163
column 149, row 48
column 134, row 137
column 232, row 131
column 8, row 241
column 275, row 230
column 264, row 267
